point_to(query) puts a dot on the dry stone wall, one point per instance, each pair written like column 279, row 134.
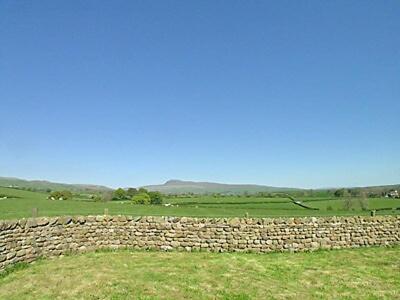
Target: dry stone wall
column 27, row 239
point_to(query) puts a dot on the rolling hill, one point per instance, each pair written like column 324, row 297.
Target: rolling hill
column 175, row 187
column 180, row 187
column 43, row 185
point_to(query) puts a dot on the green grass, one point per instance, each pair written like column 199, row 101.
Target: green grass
column 367, row 273
column 20, row 204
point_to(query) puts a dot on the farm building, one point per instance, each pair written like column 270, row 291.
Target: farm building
column 392, row 194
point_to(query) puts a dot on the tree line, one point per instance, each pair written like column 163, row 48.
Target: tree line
column 138, row 196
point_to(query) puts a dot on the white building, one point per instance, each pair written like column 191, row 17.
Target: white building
column 392, row 194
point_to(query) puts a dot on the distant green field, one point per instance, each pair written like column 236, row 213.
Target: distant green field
column 367, row 273
column 19, row 204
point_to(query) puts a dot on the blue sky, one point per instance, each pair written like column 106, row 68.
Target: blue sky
column 127, row 93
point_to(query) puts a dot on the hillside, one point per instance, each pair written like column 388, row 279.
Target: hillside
column 180, row 187
column 42, row 185
column 175, row 187
column 379, row 188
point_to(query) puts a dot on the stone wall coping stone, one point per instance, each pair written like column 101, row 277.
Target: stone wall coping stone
column 81, row 219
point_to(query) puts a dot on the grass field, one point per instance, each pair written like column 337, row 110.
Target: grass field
column 369, row 273
column 19, row 204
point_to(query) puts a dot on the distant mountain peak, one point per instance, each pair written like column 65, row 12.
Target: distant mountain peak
column 183, row 186
column 174, row 182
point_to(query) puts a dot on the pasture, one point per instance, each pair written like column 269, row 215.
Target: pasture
column 369, row 273
column 19, row 204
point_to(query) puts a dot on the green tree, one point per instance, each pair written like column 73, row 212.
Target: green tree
column 141, row 198
column 355, row 192
column 156, row 198
column 132, row 192
column 97, row 198
column 341, row 193
column 66, row 195
column 373, row 195
column 60, row 195
column 142, row 190
column 119, row 194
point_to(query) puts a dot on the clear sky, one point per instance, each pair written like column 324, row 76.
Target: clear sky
column 128, row 93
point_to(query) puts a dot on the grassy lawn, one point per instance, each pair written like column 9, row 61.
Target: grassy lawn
column 19, row 204
column 368, row 273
